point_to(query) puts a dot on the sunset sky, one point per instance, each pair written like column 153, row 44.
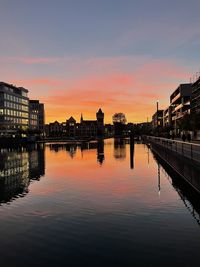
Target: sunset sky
column 79, row 55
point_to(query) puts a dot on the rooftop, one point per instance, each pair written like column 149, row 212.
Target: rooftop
column 13, row 86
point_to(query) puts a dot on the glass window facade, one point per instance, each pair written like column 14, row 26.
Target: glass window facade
column 14, row 108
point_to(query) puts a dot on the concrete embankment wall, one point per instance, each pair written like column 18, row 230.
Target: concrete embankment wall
column 185, row 165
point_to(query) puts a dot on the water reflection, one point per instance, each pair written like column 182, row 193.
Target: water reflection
column 159, row 184
column 186, row 193
column 17, row 168
column 95, row 207
column 120, row 148
column 132, row 153
column 71, row 149
column 100, row 152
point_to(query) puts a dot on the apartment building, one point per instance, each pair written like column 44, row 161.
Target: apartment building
column 195, row 99
column 157, row 119
column 180, row 101
column 167, row 117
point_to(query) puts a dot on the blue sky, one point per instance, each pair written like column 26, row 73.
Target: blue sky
column 72, row 47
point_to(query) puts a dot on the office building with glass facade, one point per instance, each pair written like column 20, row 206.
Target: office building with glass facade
column 14, row 109
column 36, row 116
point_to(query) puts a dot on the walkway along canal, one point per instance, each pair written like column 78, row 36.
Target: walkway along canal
column 182, row 157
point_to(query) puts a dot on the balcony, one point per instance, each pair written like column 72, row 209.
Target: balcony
column 175, row 98
column 180, row 115
column 178, row 107
column 166, row 114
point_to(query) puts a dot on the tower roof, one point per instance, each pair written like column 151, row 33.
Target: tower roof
column 71, row 119
column 100, row 111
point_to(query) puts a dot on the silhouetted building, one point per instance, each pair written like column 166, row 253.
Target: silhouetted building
column 157, row 119
column 119, row 128
column 87, row 128
column 72, row 129
column 36, row 116
column 195, row 108
column 55, row 129
column 128, row 128
column 100, row 122
column 109, row 130
column 195, row 99
column 142, row 128
column 91, row 128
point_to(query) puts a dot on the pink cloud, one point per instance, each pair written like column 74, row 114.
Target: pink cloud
column 47, row 82
column 35, row 60
column 109, row 83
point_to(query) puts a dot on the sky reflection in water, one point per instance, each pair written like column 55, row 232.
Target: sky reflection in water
column 99, row 204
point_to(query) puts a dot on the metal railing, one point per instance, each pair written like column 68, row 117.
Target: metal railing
column 186, row 149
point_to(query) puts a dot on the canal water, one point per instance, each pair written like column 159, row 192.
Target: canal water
column 101, row 204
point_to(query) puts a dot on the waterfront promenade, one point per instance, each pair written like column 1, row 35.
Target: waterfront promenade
column 182, row 157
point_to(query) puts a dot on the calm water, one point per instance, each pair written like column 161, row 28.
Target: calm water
column 99, row 205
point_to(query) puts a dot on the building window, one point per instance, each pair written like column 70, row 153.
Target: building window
column 24, row 94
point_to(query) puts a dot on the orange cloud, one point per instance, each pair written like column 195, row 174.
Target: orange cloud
column 110, row 84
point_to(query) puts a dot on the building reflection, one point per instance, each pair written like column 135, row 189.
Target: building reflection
column 98, row 146
column 119, row 152
column 159, row 183
column 131, row 153
column 36, row 162
column 187, row 194
column 119, row 148
column 17, row 169
column 100, row 152
column 71, row 149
